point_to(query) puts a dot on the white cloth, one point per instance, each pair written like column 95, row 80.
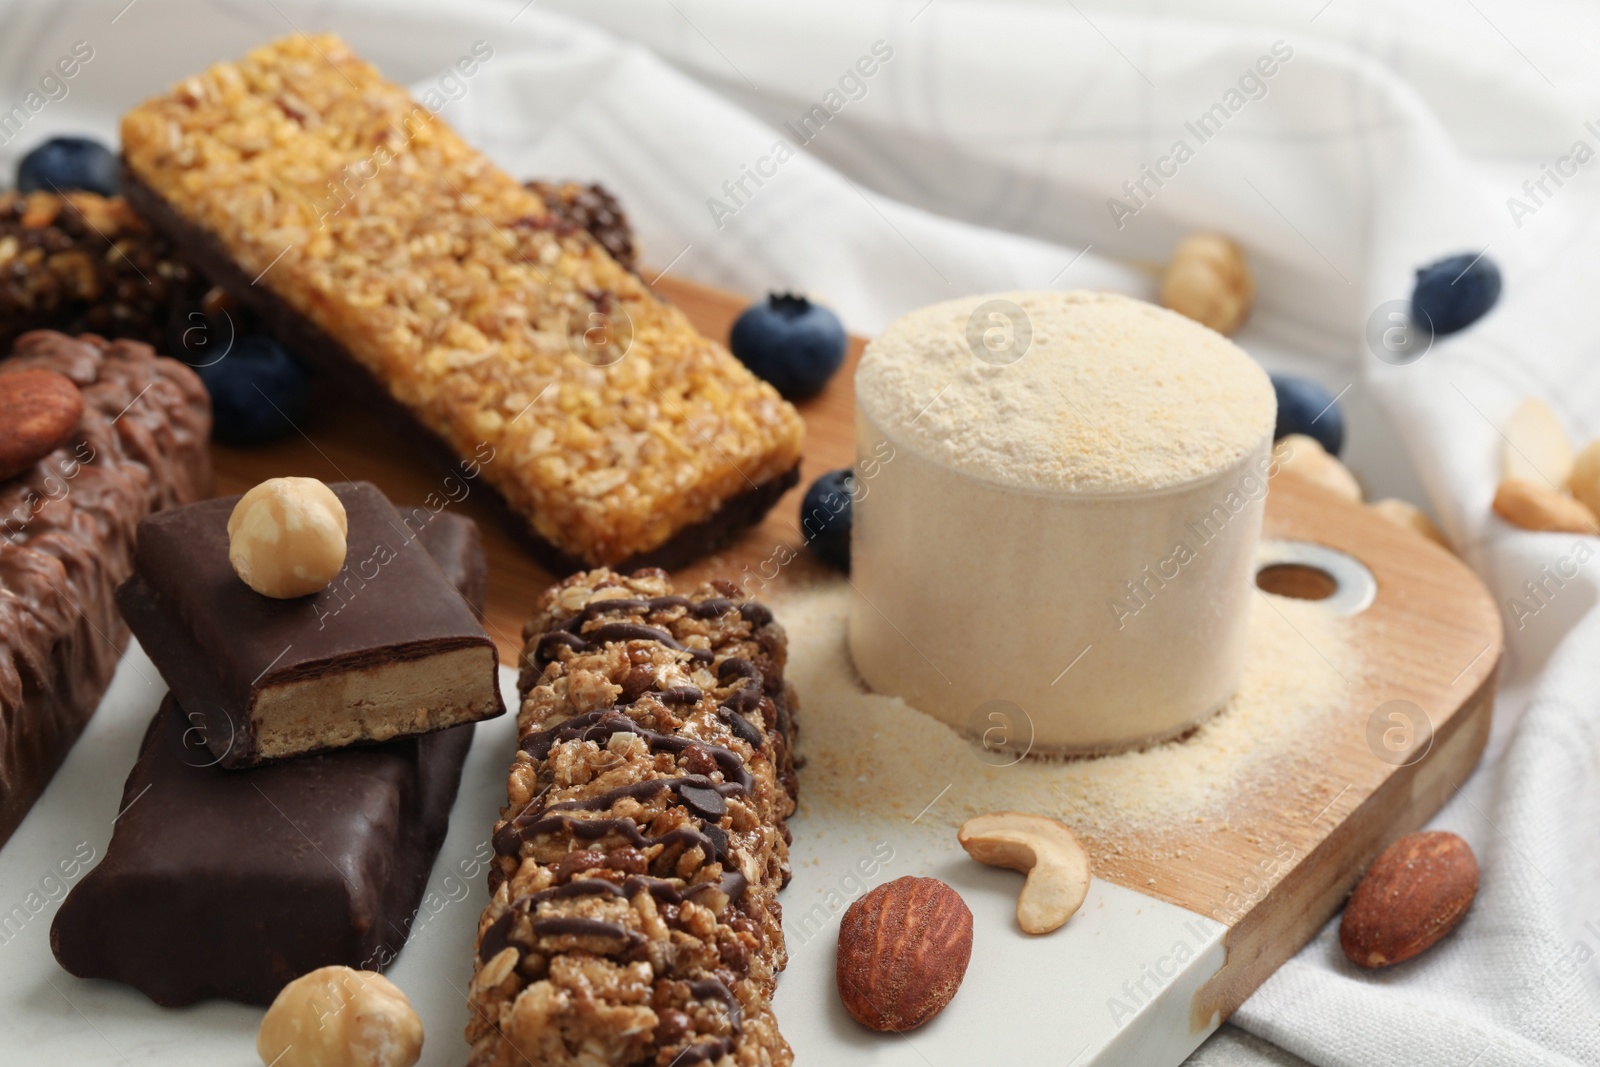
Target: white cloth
column 979, row 155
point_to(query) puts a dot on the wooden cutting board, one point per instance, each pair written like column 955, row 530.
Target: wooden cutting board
column 1290, row 851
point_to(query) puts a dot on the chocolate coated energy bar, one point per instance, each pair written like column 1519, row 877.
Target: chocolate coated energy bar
column 388, row 649
column 221, row 883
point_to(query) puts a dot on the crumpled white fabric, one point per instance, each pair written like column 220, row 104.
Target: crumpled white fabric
column 979, row 155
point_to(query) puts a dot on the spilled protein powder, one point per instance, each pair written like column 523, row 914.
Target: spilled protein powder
column 872, row 756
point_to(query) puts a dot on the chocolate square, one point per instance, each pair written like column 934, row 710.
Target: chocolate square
column 388, row 649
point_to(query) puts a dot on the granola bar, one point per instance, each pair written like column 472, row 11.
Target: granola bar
column 66, row 541
column 377, row 242
column 634, row 916
column 85, row 263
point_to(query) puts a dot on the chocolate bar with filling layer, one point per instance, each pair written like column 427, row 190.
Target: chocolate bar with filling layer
column 66, row 541
column 387, row 649
column 230, row 884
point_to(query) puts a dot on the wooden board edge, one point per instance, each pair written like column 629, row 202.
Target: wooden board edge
column 1265, row 939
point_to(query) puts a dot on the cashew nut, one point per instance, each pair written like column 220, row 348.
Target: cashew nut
column 1046, row 850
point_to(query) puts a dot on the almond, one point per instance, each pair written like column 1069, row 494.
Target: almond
column 39, row 412
column 903, row 950
column 1414, row 893
column 1535, row 506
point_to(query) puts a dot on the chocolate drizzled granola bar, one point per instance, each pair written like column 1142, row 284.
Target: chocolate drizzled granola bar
column 634, row 917
column 376, row 241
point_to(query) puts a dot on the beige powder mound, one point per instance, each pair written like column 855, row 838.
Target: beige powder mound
column 1105, row 386
column 875, row 756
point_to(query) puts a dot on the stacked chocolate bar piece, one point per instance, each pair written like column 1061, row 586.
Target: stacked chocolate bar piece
column 638, row 860
column 292, row 792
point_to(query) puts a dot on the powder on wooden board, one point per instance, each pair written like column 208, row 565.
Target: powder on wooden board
column 876, row 756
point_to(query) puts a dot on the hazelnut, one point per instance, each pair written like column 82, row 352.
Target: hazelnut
column 286, row 537
column 1208, row 280
column 1306, row 458
column 339, row 1017
column 1404, row 513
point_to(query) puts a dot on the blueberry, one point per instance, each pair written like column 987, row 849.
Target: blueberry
column 825, row 517
column 64, row 163
column 1304, row 406
column 1455, row 292
column 258, row 392
column 791, row 342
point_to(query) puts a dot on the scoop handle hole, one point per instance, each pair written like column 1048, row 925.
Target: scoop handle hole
column 1298, row 580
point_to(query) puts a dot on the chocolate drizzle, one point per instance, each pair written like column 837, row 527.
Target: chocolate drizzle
column 570, row 633
column 510, row 836
column 497, row 939
column 716, row 1047
column 699, row 794
column 713, row 989
column 614, row 631
column 742, row 727
column 600, row 726
column 737, row 667
column 574, row 926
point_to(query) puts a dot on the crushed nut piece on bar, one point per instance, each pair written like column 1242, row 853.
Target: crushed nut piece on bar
column 634, row 916
column 352, row 215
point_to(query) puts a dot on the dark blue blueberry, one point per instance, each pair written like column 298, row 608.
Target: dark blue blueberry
column 825, row 517
column 69, row 163
column 1454, row 293
column 791, row 342
column 258, row 392
column 1304, row 406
